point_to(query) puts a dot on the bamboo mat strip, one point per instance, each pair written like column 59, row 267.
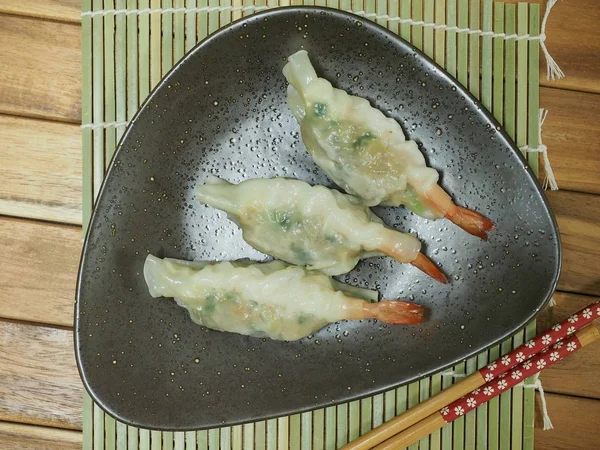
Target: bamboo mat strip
column 487, row 64
column 521, row 140
column 121, row 71
column 451, row 21
column 474, row 88
column 110, row 114
column 126, row 54
column 509, row 124
column 98, row 103
column 533, row 132
column 462, row 75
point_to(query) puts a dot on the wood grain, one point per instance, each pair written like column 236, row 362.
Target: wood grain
column 39, row 383
column 575, row 423
column 578, row 374
column 39, row 270
column 30, row 437
column 578, row 217
column 63, row 10
column 40, row 68
column 567, row 132
column 573, row 39
column 41, row 169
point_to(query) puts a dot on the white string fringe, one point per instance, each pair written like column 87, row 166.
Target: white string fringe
column 552, row 302
column 550, row 179
column 553, row 71
column 96, row 126
column 537, row 384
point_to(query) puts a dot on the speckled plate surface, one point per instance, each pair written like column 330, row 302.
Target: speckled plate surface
column 223, row 110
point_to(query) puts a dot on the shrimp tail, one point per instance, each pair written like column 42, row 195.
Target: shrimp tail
column 421, row 262
column 404, row 249
column 394, row 312
column 424, row 264
column 470, row 221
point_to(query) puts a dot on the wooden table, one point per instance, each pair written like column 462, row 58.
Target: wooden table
column 40, row 220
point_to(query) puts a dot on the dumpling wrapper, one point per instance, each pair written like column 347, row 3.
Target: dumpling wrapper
column 312, row 226
column 361, row 150
column 273, row 299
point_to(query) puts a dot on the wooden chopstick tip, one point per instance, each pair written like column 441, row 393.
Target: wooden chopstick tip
column 589, row 334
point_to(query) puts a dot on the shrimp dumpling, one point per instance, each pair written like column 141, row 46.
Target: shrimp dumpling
column 366, row 153
column 311, row 226
column 273, row 299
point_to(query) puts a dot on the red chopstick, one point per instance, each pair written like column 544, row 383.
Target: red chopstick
column 555, row 334
column 505, row 381
column 488, row 374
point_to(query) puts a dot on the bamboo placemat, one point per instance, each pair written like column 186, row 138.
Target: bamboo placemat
column 490, row 47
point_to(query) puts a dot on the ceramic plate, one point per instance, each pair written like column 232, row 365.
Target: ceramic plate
column 222, row 110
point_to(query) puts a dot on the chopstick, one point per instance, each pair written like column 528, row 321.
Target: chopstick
column 507, row 380
column 478, row 379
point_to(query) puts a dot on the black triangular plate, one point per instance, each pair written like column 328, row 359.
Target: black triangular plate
column 222, row 110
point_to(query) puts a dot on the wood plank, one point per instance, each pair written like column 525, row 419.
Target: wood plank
column 39, row 382
column 41, row 169
column 40, row 68
column 39, row 270
column 63, row 10
column 578, row 374
column 573, row 39
column 30, row 437
column 571, row 120
column 578, row 217
column 575, row 423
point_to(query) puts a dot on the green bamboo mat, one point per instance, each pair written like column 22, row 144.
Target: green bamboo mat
column 128, row 45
